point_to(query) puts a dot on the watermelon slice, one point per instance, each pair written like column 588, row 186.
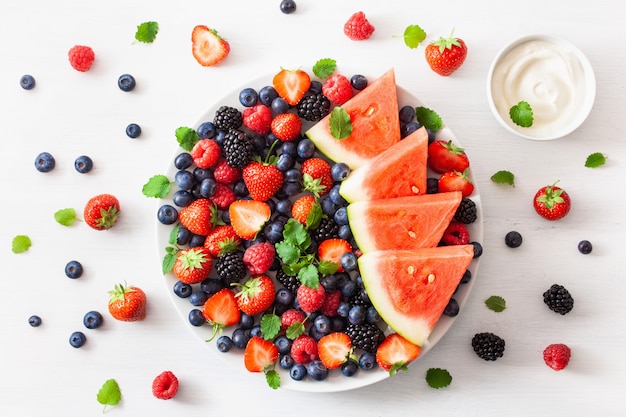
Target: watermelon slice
column 375, row 124
column 411, row 288
column 411, row 222
column 398, row 171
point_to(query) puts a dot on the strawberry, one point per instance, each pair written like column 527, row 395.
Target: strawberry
column 256, row 295
column 334, row 349
column 193, row 265
column 207, row 46
column 199, row 217
column 259, row 258
column 248, row 217
column 301, row 208
column 258, row 118
column 286, row 126
column 221, row 310
column 337, row 89
column 102, row 211
column 358, row 28
column 127, row 303
column 260, row 355
column 219, row 237
column 552, row 202
column 455, row 181
column 317, row 177
column 395, row 353
column 263, row 179
column 291, row 85
column 444, row 156
column 165, row 385
column 304, row 349
column 446, row 55
column 205, row 153
column 225, row 174
column 331, row 250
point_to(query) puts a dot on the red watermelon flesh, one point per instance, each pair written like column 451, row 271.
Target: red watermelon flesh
column 411, row 288
column 410, row 222
column 375, row 124
column 400, row 170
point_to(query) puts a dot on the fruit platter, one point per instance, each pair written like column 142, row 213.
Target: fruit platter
column 322, row 230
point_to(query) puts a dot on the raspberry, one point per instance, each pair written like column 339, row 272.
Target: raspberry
column 456, row 234
column 331, row 303
column 310, row 299
column 258, row 119
column 205, row 153
column 165, row 385
column 304, row 349
column 259, row 258
column 358, row 28
column 225, row 174
column 337, row 89
column 556, row 356
column 291, row 316
column 81, row 57
column 223, row 196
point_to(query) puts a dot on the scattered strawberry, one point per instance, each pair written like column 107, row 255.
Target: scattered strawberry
column 331, row 303
column 263, row 179
column 102, row 211
column 226, row 174
column 317, row 177
column 334, row 349
column 258, row 118
column 291, row 85
column 199, row 217
column 358, row 28
column 395, row 353
column 127, row 303
column 330, row 250
column 221, row 310
column 337, row 89
column 205, row 153
column 557, row 356
column 552, row 202
column 444, row 156
column 248, row 217
column 256, row 295
column 259, row 258
column 310, row 299
column 304, row 349
column 455, row 181
column 456, row 234
column 81, row 57
column 193, row 265
column 217, row 238
column 286, row 126
column 223, row 196
column 301, row 208
column 207, row 46
column 165, row 385
column 290, row 317
column 260, row 355
column 446, row 55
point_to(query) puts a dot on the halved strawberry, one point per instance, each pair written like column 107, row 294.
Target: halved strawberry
column 395, row 353
column 445, row 156
column 260, row 355
column 257, row 295
column 207, row 46
column 291, row 85
column 334, row 349
column 221, row 310
column 332, row 249
column 248, row 217
column 455, row 181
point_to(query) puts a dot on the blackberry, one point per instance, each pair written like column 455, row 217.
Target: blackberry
column 227, row 117
column 365, row 336
column 313, row 107
column 230, row 267
column 466, row 212
column 558, row 299
column 291, row 282
column 488, row 346
column 238, row 148
column 326, row 229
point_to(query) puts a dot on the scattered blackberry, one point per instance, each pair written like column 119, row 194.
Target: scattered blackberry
column 313, row 107
column 365, row 336
column 291, row 282
column 238, row 148
column 466, row 212
column 227, row 117
column 488, row 346
column 558, row 299
column 230, row 267
column 326, row 229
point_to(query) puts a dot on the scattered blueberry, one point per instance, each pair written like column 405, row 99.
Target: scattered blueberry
column 513, row 239
column 267, row 94
column 248, row 97
column 196, row 318
column 317, row 370
column 45, row 162
column 83, row 164
column 286, row 361
column 93, row 319
column 197, row 298
column 407, row 128
column 341, row 216
column 77, row 339
column 167, row 214
column 74, row 269
column 367, row 361
column 358, row 82
column 279, row 106
column 372, row 315
column 432, row 185
column 182, row 289
column 287, row 6
column 297, row 372
column 240, row 337
column 407, row 114
column 585, row 247
column 34, row 321
column 305, row 148
column 339, row 171
column 349, row 368
column 357, row 314
column 224, row 343
column 27, row 82
column 183, row 160
column 126, row 82
column 184, row 179
column 283, row 343
column 478, row 249
column 207, row 130
column 348, row 261
column 182, row 198
column 133, row 130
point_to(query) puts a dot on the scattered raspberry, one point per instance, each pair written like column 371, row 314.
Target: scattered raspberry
column 259, row 258
column 456, row 234
column 291, row 316
column 258, row 119
column 223, row 196
column 225, row 174
column 81, row 57
column 358, row 28
column 556, row 356
column 304, row 349
column 337, row 89
column 331, row 303
column 310, row 299
column 206, row 153
column 165, row 385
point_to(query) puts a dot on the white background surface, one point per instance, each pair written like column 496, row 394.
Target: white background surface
column 71, row 113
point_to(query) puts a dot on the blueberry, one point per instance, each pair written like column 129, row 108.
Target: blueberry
column 208, row 187
column 93, row 319
column 83, row 164
column 297, row 372
column 133, row 130
column 452, row 308
column 407, row 114
column 467, row 276
column 585, row 247
column 182, row 198
column 34, row 321
column 77, row 339
column 196, row 240
column 328, row 205
column 345, row 232
column 348, row 288
column 240, row 338
column 167, row 214
column 273, row 231
column 201, row 174
column 287, row 6
column 45, row 162
column 348, row 261
column 206, row 130
column 357, row 314
column 513, row 239
column 371, row 315
column 196, row 318
column 279, row 106
column 339, row 324
column 197, row 298
column 343, row 309
column 316, row 87
column 336, row 197
column 432, row 185
column 240, row 189
column 285, row 162
column 74, row 269
column 339, row 171
column 286, row 361
column 291, row 188
column 126, row 82
column 293, row 175
column 182, row 289
column 478, row 249
column 284, row 206
column 349, row 368
column 407, row 128
column 329, row 282
column 290, row 148
column 27, row 82
column 305, row 148
column 183, row 236
column 358, row 82
column 367, row 361
column 322, row 324
column 211, row 285
column 184, row 179
column 283, row 343
column 317, row 370
column 267, row 94
column 256, row 331
column 246, row 321
column 341, row 216
column 248, row 97
column 224, row 343
column 183, row 160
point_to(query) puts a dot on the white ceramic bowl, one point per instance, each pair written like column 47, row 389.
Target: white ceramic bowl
column 549, row 73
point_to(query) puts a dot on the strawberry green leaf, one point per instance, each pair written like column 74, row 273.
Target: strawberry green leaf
column 324, row 67
column 595, row 160
column 504, row 177
column 315, row 215
column 438, row 378
column 65, row 217
column 273, row 379
column 146, row 32
column 496, row 303
column 294, row 330
column 428, row 118
column 309, row 276
column 20, row 244
column 109, row 394
column 522, row 114
column 340, row 123
column 413, row 36
column 158, row 187
column 186, row 138
column 270, row 326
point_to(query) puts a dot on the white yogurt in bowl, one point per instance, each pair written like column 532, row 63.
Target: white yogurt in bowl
column 552, row 76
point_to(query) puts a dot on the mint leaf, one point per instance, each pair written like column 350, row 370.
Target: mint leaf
column 522, row 114
column 146, row 32
column 595, row 160
column 496, row 303
column 158, row 186
column 340, row 123
column 173, row 238
column 315, row 215
column 324, row 67
column 65, row 217
column 413, row 36
column 270, row 326
column 169, row 259
column 327, row 267
column 186, row 138
column 428, row 118
column 273, row 379
column 295, row 233
column 287, row 251
column 503, row 177
column 309, row 276
column 109, row 394
column 438, row 378
column 294, row 330
column 20, row 244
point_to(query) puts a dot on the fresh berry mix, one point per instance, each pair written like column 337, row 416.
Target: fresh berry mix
column 557, row 356
column 558, row 299
column 488, row 346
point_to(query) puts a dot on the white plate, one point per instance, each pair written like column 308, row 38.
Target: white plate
column 336, row 381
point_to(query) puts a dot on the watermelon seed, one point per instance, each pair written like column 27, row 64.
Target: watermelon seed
column 370, row 110
column 410, row 270
column 412, row 234
column 431, row 278
column 415, row 189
